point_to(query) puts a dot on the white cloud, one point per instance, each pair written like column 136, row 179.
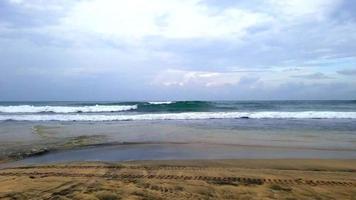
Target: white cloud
column 179, row 19
column 185, row 78
column 249, row 80
column 273, row 78
column 16, row 1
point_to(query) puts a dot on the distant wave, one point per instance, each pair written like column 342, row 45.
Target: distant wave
column 182, row 116
column 66, row 109
column 174, row 106
column 160, row 102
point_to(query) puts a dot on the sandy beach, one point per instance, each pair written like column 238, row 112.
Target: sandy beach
column 194, row 179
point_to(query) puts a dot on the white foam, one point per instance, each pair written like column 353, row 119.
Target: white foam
column 182, row 116
column 65, row 109
column 160, row 102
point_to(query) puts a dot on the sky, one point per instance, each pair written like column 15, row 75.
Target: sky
column 120, row 50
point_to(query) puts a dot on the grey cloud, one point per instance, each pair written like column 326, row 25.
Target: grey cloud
column 30, row 14
column 248, row 80
column 317, row 75
column 347, row 72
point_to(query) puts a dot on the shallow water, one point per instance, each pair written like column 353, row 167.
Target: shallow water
column 180, row 152
column 199, row 139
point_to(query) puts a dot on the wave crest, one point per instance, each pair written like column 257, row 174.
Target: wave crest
column 160, row 102
column 66, row 109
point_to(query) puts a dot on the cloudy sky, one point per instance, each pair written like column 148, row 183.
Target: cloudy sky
column 177, row 49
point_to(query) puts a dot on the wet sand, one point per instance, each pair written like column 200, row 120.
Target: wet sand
column 177, row 151
column 194, row 179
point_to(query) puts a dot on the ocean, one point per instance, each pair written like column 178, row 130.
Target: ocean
column 176, row 110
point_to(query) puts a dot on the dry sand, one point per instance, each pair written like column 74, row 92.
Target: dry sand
column 214, row 179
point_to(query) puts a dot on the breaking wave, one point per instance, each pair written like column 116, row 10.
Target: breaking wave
column 181, row 116
column 66, row 109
